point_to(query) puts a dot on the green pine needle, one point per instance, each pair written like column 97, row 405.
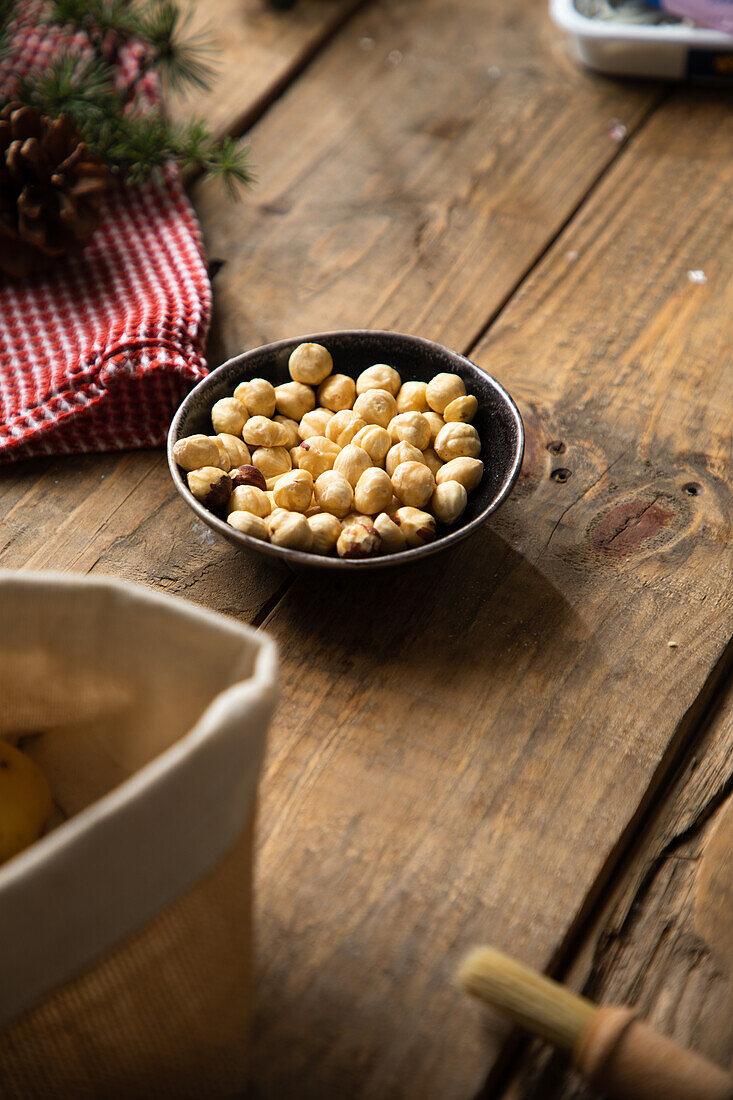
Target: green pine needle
column 182, row 57
column 81, row 87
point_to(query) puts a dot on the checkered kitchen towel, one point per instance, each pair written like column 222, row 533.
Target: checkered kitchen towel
column 96, row 354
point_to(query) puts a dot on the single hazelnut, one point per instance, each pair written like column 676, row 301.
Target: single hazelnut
column 291, row 427
column 373, row 491
column 466, row 471
column 375, row 441
column 316, row 455
column 436, row 422
column 196, row 451
column 248, row 524
column 227, row 415
column 461, row 410
column 248, row 498
column 457, row 440
column 272, row 461
column 410, row 427
column 290, row 529
column 314, row 423
column 376, row 407
column 326, row 530
column 294, row 491
column 413, row 484
column 343, row 427
column 358, row 540
column 443, row 389
column 392, row 536
column 448, row 501
column 352, row 462
column 240, row 395
column 261, row 432
column 236, row 449
column 293, row 399
column 310, row 364
column 210, row 485
column 337, row 392
column 411, row 397
column 259, row 397
column 402, row 452
column 248, row 475
column 432, row 461
column 379, row 377
column 334, row 494
column 355, row 517
column 418, row 527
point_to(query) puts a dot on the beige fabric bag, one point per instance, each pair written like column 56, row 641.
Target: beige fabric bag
column 125, row 931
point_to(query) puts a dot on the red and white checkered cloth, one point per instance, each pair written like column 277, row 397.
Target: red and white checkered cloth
column 96, row 354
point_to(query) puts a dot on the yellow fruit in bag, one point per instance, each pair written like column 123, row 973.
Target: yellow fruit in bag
column 25, row 801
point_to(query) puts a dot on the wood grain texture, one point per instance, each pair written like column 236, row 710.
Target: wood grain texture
column 412, row 176
column 649, row 946
column 461, row 749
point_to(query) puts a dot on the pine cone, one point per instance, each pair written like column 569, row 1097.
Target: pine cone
column 51, row 189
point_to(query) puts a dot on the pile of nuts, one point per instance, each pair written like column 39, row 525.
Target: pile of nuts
column 325, row 463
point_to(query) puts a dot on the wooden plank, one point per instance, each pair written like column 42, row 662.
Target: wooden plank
column 647, row 948
column 413, row 175
column 255, row 51
column 461, row 748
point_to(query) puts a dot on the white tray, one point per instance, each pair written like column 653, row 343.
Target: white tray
column 669, row 51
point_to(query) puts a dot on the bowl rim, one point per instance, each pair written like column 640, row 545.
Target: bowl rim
column 302, row 558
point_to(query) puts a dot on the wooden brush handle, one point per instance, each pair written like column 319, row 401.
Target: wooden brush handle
column 625, row 1059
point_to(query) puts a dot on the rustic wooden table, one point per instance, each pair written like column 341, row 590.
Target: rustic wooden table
column 527, row 741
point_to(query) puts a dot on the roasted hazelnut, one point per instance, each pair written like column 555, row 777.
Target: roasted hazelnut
column 337, row 392
column 210, row 485
column 326, row 530
column 373, row 491
column 261, row 432
column 240, row 395
column 292, row 428
column 379, row 377
column 315, row 423
column 457, row 440
column 402, row 452
column 197, row 451
column 316, row 455
column 410, row 427
column 432, row 461
column 413, row 484
column 294, row 399
column 466, row 471
column 358, row 540
column 392, row 536
column 375, row 441
column 448, row 502
column 376, row 407
column 443, row 389
column 272, row 461
column 294, row 491
column 355, row 517
column 352, row 462
column 248, row 475
column 248, row 498
column 418, row 527
column 236, row 449
column 436, row 422
column 411, row 397
column 227, row 415
column 334, row 494
column 310, row 364
column 290, row 529
column 259, row 397
column 461, row 410
column 343, row 427
column 248, row 524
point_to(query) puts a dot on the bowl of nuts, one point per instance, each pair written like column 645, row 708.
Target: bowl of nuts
column 346, row 450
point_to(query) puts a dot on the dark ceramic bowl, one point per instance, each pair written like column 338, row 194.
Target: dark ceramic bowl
column 498, row 423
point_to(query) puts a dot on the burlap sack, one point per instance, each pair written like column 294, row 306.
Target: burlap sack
column 125, row 931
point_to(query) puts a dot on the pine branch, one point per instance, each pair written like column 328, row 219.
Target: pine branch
column 81, row 87
column 182, row 57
